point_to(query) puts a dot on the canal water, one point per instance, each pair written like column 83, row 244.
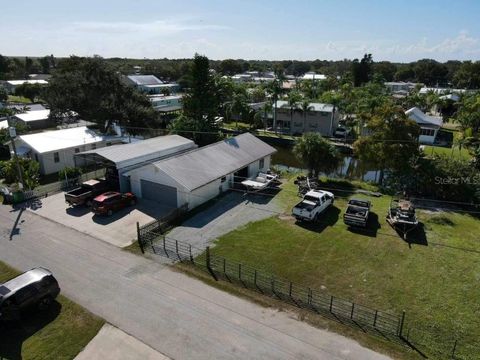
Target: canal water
column 350, row 168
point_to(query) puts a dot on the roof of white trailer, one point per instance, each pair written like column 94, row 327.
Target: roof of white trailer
column 421, row 118
column 34, row 115
column 204, row 165
column 61, row 139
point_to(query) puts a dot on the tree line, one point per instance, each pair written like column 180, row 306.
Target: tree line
column 461, row 74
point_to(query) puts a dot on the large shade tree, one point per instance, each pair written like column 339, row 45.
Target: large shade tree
column 91, row 88
column 392, row 141
column 317, row 153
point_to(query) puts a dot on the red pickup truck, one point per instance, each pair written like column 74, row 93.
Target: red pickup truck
column 85, row 194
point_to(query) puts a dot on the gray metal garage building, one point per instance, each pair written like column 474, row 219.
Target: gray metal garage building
column 199, row 175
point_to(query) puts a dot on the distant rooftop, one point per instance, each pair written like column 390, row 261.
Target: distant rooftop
column 20, row 82
column 421, row 118
column 144, row 80
column 315, row 106
column 313, row 76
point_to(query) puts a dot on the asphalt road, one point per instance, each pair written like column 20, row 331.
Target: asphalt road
column 176, row 315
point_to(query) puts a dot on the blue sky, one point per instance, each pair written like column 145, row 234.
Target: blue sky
column 251, row 29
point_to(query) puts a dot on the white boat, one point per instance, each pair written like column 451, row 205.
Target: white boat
column 261, row 182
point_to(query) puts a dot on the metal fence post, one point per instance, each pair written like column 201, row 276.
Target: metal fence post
column 255, row 277
column 454, row 348
column 402, row 321
column 224, row 266
column 139, row 239
column 207, row 259
column 353, row 309
column 290, row 289
column 176, row 249
column 375, row 318
column 164, row 247
column 190, row 251
column 331, row 303
column 309, row 297
column 240, row 272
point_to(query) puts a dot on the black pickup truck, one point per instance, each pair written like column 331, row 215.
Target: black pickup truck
column 357, row 213
column 85, row 194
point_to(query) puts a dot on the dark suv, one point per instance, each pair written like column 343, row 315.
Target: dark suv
column 37, row 288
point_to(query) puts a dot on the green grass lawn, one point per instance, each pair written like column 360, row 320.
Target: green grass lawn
column 434, row 280
column 58, row 333
column 454, row 152
column 18, row 99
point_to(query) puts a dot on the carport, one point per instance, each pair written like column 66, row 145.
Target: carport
column 118, row 159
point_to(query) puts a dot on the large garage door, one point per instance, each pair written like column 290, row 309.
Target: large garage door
column 166, row 195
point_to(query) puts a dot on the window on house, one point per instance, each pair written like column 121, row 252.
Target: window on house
column 56, row 157
column 427, row 132
column 36, row 157
column 223, row 179
column 261, row 163
column 94, row 146
column 77, row 150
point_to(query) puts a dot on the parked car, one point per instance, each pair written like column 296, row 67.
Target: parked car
column 37, row 288
column 357, row 213
column 314, row 203
column 85, row 194
column 342, row 132
column 109, row 202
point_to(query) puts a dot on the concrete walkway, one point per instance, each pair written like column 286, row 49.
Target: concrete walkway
column 114, row 344
column 177, row 315
column 230, row 212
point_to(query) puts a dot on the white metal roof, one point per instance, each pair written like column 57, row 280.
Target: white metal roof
column 143, row 150
column 420, row 117
column 204, row 165
column 61, row 139
column 145, row 79
column 4, row 124
column 34, row 115
column 20, row 82
column 313, row 76
column 314, row 106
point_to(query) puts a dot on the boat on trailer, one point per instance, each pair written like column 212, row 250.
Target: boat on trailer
column 260, row 182
column 401, row 216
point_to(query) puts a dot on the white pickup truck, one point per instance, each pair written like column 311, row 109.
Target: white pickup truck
column 313, row 204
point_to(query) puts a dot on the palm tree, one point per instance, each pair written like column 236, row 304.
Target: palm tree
column 266, row 109
column 305, row 106
column 292, row 104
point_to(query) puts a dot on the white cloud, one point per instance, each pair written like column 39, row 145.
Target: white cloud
column 166, row 27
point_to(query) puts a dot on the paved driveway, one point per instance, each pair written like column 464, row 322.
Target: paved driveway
column 230, row 212
column 118, row 229
column 181, row 317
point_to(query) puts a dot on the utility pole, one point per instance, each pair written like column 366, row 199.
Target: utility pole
column 13, row 134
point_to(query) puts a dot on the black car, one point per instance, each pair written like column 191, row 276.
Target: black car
column 37, row 288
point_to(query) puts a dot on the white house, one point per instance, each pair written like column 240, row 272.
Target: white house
column 321, row 118
column 149, row 84
column 55, row 150
column 35, row 119
column 429, row 125
column 199, row 175
column 167, row 104
column 11, row 85
column 122, row 158
column 311, row 75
